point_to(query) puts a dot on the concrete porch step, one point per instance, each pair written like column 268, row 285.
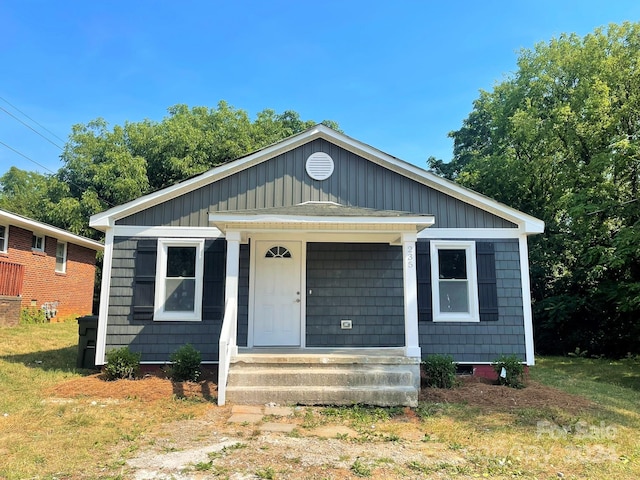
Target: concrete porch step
column 326, row 375
column 324, row 378
column 321, row 395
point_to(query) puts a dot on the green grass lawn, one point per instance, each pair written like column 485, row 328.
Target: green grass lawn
column 44, row 437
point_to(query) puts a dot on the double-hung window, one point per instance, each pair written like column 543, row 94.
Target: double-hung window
column 4, row 237
column 37, row 242
column 61, row 257
column 454, row 281
column 179, row 270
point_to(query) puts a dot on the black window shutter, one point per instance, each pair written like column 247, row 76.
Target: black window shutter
column 423, row 274
column 144, row 282
column 214, row 279
column 487, row 287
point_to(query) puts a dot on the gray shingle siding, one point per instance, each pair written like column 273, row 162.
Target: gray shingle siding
column 282, row 181
column 358, row 282
column 243, row 296
column 485, row 341
column 155, row 340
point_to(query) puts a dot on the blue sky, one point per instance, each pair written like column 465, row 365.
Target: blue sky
column 398, row 75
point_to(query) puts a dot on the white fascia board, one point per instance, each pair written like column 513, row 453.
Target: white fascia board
column 48, row 230
column 424, row 221
column 174, row 232
column 470, row 233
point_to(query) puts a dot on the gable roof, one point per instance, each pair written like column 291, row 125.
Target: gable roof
column 49, row 230
column 527, row 223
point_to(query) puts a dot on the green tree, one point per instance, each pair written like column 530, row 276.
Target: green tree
column 560, row 140
column 104, row 167
column 23, row 192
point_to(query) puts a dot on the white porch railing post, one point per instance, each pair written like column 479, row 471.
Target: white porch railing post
column 409, row 259
column 228, row 346
column 231, row 283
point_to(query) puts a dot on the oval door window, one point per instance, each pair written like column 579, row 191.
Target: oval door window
column 278, row 252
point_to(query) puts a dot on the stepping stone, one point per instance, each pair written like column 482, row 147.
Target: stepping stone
column 254, row 409
column 278, row 427
column 279, row 411
column 245, row 418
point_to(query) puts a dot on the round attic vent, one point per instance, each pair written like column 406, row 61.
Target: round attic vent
column 319, row 166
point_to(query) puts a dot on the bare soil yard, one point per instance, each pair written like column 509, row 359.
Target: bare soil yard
column 444, row 437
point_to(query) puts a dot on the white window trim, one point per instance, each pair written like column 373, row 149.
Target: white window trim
column 38, row 235
column 161, row 271
column 64, row 257
column 4, row 243
column 472, row 277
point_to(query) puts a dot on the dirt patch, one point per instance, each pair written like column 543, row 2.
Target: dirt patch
column 153, row 386
column 483, row 393
column 472, row 391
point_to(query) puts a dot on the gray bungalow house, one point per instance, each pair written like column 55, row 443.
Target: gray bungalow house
column 317, row 270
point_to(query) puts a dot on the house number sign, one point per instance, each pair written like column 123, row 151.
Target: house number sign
column 410, row 256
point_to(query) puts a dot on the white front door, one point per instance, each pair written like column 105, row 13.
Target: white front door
column 277, row 300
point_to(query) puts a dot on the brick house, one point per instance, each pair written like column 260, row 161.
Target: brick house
column 44, row 266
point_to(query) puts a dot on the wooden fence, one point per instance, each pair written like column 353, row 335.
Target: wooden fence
column 11, row 275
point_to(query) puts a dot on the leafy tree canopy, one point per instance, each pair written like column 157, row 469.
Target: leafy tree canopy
column 104, row 167
column 560, row 139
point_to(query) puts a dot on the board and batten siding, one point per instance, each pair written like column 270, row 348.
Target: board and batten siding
column 156, row 340
column 358, row 282
column 283, row 181
column 484, row 341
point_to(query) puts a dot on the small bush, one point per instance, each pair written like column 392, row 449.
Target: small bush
column 510, row 371
column 440, row 371
column 29, row 316
column 186, row 364
column 122, row 363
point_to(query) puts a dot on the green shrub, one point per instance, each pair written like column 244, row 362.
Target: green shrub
column 29, row 316
column 440, row 371
column 186, row 364
column 513, row 373
column 122, row 363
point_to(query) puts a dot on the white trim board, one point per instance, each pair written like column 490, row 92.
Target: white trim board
column 470, row 233
column 174, row 232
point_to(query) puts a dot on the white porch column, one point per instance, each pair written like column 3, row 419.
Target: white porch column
column 411, row 339
column 231, row 280
column 526, row 300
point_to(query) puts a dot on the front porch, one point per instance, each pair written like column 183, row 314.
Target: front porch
column 329, row 309
column 324, row 376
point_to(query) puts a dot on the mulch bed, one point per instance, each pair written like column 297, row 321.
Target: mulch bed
column 473, row 391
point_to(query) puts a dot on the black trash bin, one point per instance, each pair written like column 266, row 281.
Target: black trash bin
column 87, row 337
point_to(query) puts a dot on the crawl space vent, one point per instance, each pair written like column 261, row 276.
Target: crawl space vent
column 319, row 166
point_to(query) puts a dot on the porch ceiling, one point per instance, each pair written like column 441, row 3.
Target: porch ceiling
column 326, row 217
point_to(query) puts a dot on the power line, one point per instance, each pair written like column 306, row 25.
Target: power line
column 34, row 121
column 30, row 127
column 48, row 169
column 23, row 155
